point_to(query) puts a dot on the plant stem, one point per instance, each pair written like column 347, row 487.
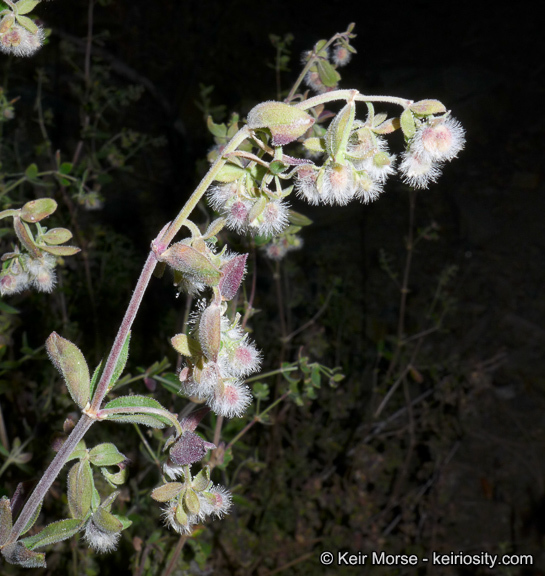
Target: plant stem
column 124, row 329
column 176, row 554
column 49, row 476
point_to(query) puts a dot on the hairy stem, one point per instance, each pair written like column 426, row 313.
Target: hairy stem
column 79, row 431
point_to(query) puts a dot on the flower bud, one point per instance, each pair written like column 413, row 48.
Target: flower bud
column 285, row 122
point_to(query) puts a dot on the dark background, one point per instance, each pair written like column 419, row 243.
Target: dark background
column 483, row 61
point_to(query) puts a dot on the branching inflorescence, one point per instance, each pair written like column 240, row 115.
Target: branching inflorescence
column 296, row 145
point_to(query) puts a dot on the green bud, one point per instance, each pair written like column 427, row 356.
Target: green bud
column 210, row 331
column 285, row 122
column 191, row 263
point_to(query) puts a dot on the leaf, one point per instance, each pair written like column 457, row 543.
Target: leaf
column 217, row 130
column 17, row 553
column 121, row 362
column 232, row 275
column 80, row 489
column 65, row 168
column 55, row 532
column 167, row 491
column 69, row 361
column 96, row 377
column 407, row 124
column 33, row 519
column 151, row 420
column 57, row 236
column 106, row 454
column 115, row 478
column 27, row 23
column 191, row 263
column 26, row 6
column 106, row 521
column 61, row 250
column 328, row 75
column 31, row 173
column 6, row 521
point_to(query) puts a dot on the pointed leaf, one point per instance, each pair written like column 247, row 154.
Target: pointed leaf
column 298, row 219
column 151, row 420
column 202, row 480
column 121, row 362
column 95, row 379
column 69, row 361
column 229, row 173
column 233, row 273
column 33, row 519
column 328, row 75
column 339, row 130
column 53, row 533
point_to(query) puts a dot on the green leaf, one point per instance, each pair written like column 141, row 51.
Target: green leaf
column 298, row 219
column 134, row 401
column 407, row 124
column 328, row 75
column 17, row 553
column 170, row 382
column 65, row 168
column 37, row 210
column 121, row 362
column 191, row 263
column 57, row 236
column 31, row 173
column 80, row 489
column 336, row 138
column 151, row 420
column 69, row 361
column 96, row 377
column 61, row 250
column 167, row 491
column 191, row 501
column 26, row 6
column 106, row 521
column 55, row 532
column 217, row 130
column 115, row 478
column 106, row 454
column 33, row 519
